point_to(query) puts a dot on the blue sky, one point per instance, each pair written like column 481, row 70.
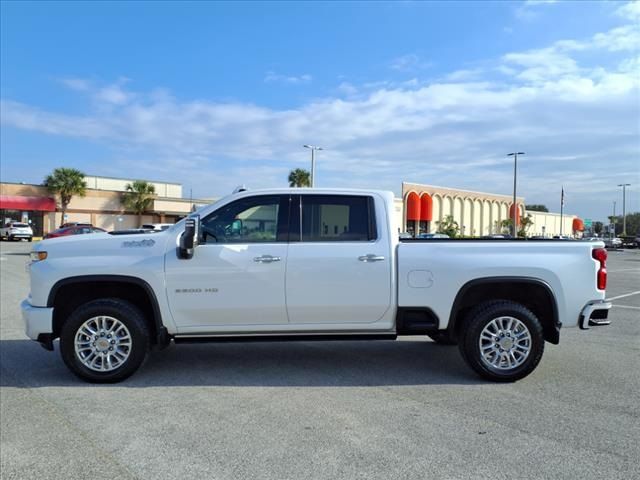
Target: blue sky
column 218, row 94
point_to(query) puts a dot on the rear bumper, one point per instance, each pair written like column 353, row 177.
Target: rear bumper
column 38, row 321
column 595, row 314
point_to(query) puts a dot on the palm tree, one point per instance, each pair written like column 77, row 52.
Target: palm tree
column 299, row 178
column 139, row 197
column 66, row 182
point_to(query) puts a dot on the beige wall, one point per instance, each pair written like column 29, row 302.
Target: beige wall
column 551, row 224
column 163, row 189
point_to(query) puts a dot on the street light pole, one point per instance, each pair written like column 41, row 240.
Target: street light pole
column 613, row 221
column 313, row 162
column 624, row 211
column 515, row 176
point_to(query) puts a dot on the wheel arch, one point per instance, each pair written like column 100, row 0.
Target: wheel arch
column 538, row 296
column 69, row 293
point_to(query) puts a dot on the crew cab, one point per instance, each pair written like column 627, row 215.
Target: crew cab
column 311, row 264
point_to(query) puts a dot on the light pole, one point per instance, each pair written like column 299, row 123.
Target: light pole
column 624, row 211
column 515, row 176
column 313, row 162
column 613, row 221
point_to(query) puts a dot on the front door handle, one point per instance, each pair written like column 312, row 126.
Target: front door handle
column 266, row 259
column 370, row 257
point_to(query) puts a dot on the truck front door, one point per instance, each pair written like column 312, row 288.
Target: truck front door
column 237, row 273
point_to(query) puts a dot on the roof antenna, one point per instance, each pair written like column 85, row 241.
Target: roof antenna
column 239, row 188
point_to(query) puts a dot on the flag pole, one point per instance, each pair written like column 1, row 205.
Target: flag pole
column 561, row 208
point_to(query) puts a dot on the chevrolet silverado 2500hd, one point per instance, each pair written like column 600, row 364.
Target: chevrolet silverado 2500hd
column 307, row 264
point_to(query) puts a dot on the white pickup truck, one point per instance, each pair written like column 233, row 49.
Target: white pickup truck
column 312, row 264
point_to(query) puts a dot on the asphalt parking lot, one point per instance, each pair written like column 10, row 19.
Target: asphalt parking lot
column 387, row 410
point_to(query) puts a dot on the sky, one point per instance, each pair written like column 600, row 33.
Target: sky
column 215, row 95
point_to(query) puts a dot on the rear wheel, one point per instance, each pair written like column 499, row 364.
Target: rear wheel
column 502, row 341
column 104, row 341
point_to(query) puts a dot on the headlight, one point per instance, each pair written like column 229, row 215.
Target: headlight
column 38, row 256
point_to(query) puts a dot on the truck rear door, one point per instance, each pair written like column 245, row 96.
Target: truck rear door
column 339, row 266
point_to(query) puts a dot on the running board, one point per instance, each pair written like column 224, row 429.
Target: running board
column 281, row 337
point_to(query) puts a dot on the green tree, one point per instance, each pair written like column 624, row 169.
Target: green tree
column 597, row 227
column 449, row 226
column 506, row 226
column 633, row 223
column 526, row 222
column 66, row 183
column 536, row 208
column 299, row 178
column 139, row 197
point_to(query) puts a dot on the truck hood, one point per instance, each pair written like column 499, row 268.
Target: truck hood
column 104, row 245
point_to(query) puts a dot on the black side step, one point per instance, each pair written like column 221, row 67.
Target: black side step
column 416, row 321
column 280, row 338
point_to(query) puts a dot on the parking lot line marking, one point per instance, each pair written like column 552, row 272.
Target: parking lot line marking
column 627, row 306
column 623, row 296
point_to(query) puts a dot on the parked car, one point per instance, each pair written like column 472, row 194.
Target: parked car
column 404, row 235
column 432, row 235
column 16, row 231
column 131, row 231
column 76, row 224
column 74, row 230
column 629, row 241
column 612, row 242
column 158, row 227
column 249, row 267
column 497, row 236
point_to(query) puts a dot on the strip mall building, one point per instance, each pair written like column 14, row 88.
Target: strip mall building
column 418, row 211
column 477, row 213
column 102, row 205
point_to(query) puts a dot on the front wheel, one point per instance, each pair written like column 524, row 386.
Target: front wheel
column 104, row 341
column 502, row 341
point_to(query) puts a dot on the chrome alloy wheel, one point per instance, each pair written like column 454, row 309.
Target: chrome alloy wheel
column 505, row 343
column 103, row 343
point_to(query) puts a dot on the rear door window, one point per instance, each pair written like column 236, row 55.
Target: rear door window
column 337, row 218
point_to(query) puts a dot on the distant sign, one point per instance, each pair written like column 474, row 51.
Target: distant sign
column 587, row 223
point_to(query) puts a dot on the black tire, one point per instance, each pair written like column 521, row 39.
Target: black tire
column 479, row 318
column 127, row 314
column 442, row 338
column 29, row 239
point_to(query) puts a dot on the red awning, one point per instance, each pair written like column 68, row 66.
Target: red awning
column 413, row 206
column 18, row 202
column 511, row 209
column 426, row 207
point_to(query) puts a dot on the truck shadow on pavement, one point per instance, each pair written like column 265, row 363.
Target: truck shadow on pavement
column 272, row 364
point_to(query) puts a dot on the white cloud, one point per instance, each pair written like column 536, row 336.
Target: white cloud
column 77, row 84
column 288, row 79
column 530, row 9
column 409, row 63
column 577, row 122
column 630, row 11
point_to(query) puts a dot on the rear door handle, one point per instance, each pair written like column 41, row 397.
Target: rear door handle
column 266, row 259
column 370, row 257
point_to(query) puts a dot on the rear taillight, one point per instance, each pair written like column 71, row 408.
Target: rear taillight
column 600, row 254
